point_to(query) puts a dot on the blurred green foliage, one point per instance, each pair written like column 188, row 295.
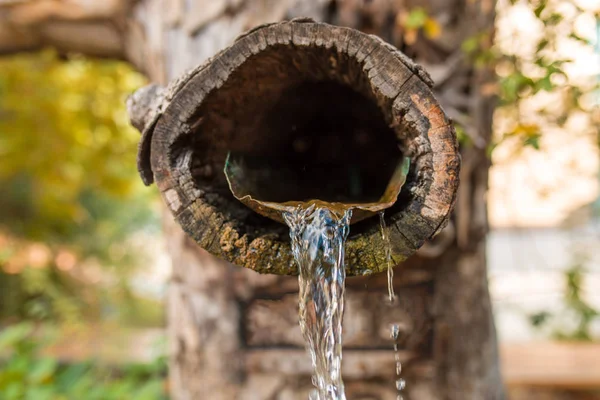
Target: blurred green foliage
column 537, row 95
column 74, row 220
column 542, row 70
column 72, row 206
column 577, row 311
column 541, row 73
column 27, row 374
column 68, row 151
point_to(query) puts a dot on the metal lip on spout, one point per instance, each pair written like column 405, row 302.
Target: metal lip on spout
column 240, row 185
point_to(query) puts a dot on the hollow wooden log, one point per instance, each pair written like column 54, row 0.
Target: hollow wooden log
column 228, row 104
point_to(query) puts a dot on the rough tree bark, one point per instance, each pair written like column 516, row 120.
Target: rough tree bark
column 233, row 333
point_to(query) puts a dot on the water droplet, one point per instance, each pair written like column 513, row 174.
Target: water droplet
column 400, row 384
column 395, row 331
column 394, row 328
column 399, row 397
column 388, row 256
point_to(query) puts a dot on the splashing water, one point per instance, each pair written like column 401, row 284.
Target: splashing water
column 394, row 328
column 318, row 236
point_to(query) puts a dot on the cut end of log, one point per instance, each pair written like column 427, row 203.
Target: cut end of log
column 290, row 95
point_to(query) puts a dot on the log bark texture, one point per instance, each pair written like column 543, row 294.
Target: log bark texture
column 214, row 109
column 219, row 317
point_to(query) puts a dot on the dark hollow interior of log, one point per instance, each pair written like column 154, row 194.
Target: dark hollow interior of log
column 329, row 143
column 305, row 125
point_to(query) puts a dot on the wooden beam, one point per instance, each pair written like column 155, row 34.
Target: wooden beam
column 552, row 364
column 572, row 366
column 357, row 364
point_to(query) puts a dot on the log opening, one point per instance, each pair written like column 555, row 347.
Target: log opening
column 295, row 100
column 326, row 142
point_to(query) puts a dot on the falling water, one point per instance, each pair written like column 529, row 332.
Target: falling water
column 318, row 236
column 394, row 328
column 388, row 256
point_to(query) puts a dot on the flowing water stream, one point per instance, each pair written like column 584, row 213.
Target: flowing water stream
column 318, row 232
column 318, row 235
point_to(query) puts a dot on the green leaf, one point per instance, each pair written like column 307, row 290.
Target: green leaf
column 533, row 141
column 463, row 138
column 40, row 393
column 544, row 84
column 539, row 9
column 490, row 149
column 542, row 44
column 470, row 45
column 42, row 370
column 553, row 19
column 416, row 18
column 13, row 335
column 539, row 319
column 150, row 391
column 13, row 391
column 578, row 38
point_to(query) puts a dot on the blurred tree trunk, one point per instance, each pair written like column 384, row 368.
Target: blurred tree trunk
column 229, row 339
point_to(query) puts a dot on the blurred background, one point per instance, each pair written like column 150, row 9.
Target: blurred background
column 83, row 269
column 82, row 272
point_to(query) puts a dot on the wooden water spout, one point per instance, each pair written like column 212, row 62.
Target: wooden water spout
column 319, row 111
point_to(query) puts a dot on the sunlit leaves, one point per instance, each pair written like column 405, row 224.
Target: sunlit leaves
column 479, row 49
column 416, row 18
column 514, row 86
column 546, row 90
column 529, row 133
column 69, row 181
column 577, row 310
column 415, row 21
column 534, row 86
column 64, row 133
